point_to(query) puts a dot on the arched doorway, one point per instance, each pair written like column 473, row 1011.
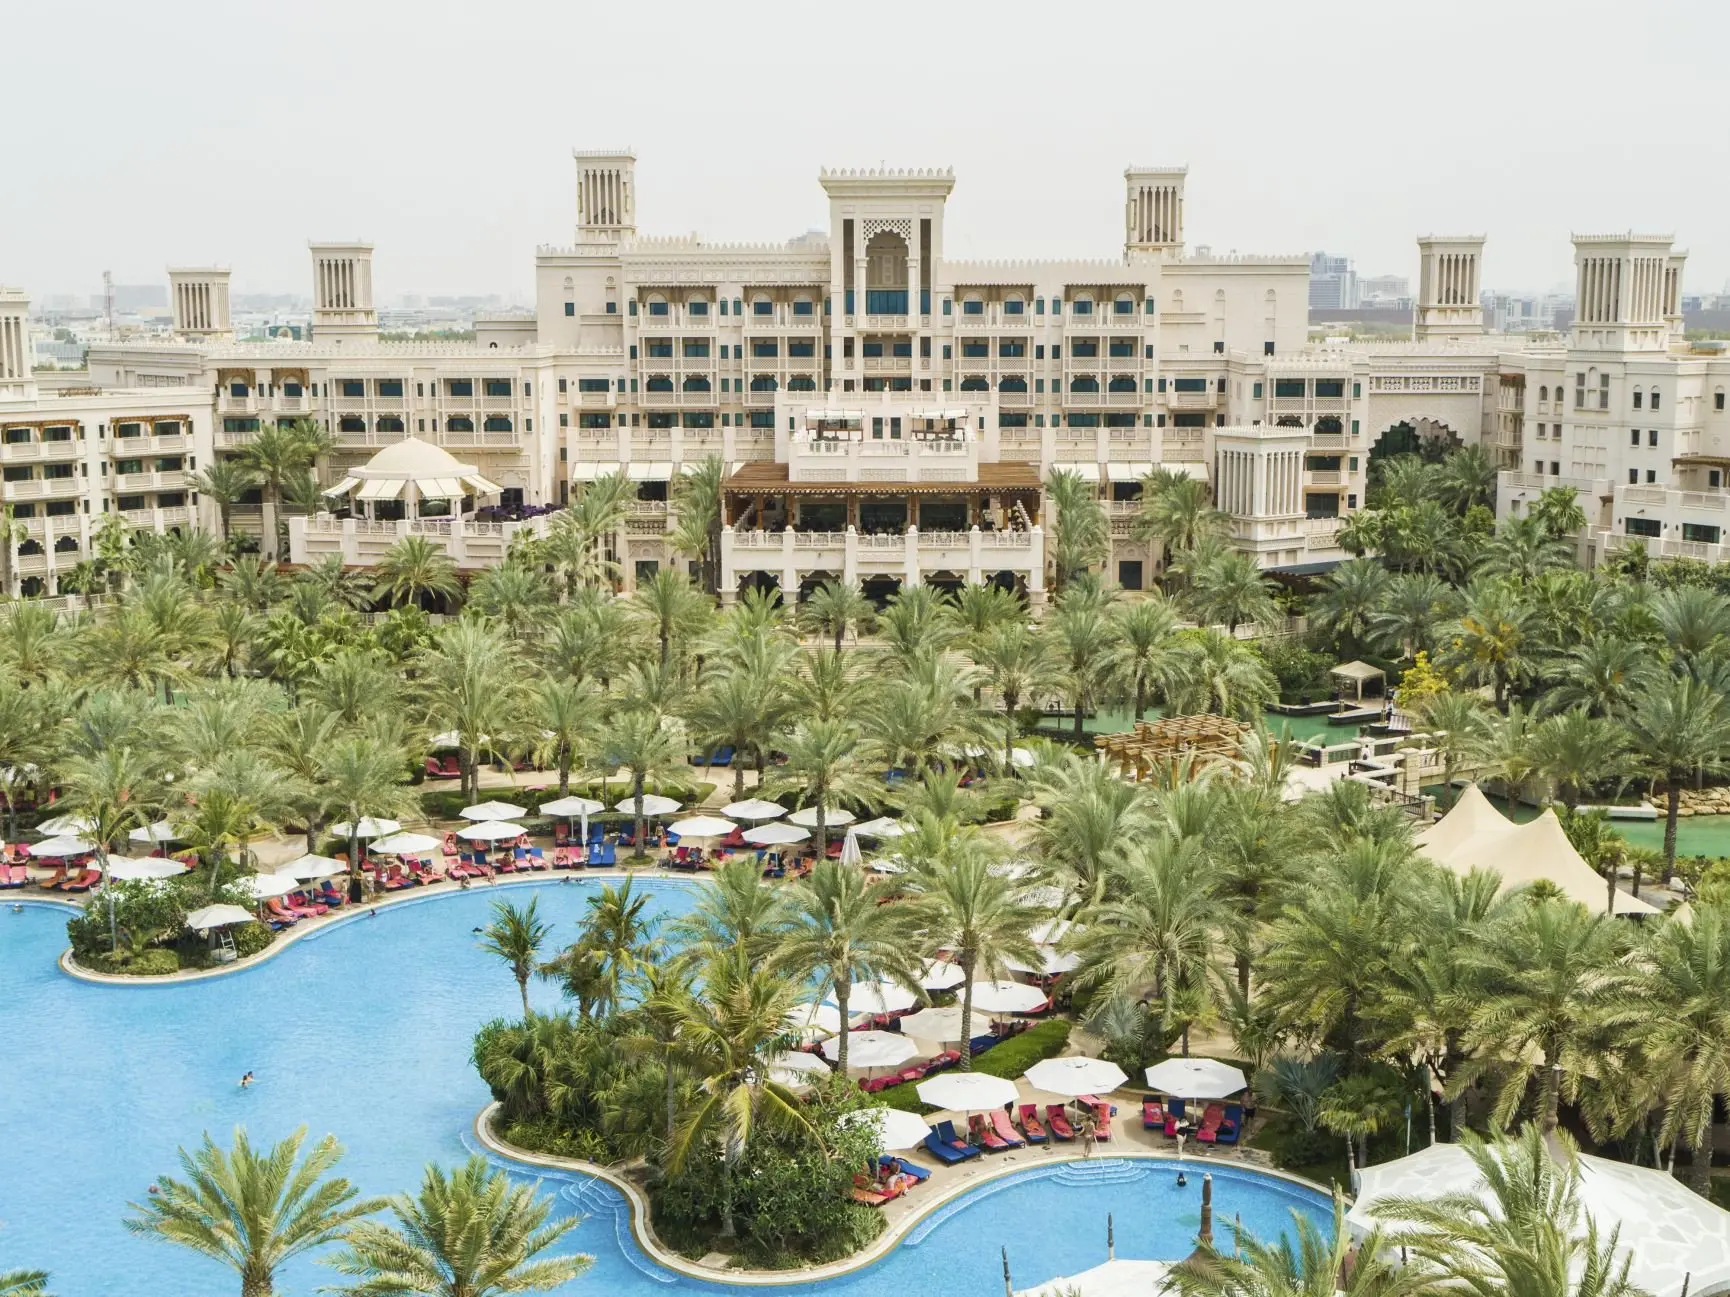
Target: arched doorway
column 879, row 588
column 1431, row 438
column 766, row 583
column 1014, row 583
column 811, row 582
column 947, row 582
column 886, row 274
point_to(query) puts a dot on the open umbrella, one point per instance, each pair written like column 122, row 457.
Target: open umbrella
column 882, row 827
column 1050, row 962
column 405, row 844
column 1075, row 1075
column 1196, row 1078
column 941, row 975
column 967, row 1091
column 941, row 1025
column 63, row 847
column 1007, row 997
column 775, row 835
column 833, row 818
column 814, row 1019
column 493, row 811
column 308, row 867
column 850, row 852
column 368, row 827
column 755, row 808
column 702, row 826
column 871, row 1049
column 126, row 869
column 217, row 916
column 652, row 805
column 161, row 831
column 570, row 807
column 261, row 887
column 896, row 1127
column 1053, row 931
column 70, row 825
column 795, row 1068
column 876, row 997
column 490, row 831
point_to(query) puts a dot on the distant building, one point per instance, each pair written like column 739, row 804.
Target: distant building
column 1333, row 283
column 1385, row 290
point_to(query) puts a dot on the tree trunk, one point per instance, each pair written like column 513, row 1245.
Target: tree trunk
column 727, row 1228
column 354, row 888
column 1610, row 881
column 843, row 991
column 840, row 633
column 641, row 821
column 1552, row 1096
column 1140, row 697
column 268, row 518
column 672, row 1097
column 966, row 1021
column 1079, row 735
column 1672, row 807
column 822, row 832
column 1243, row 973
column 564, row 770
column 254, row 1284
column 523, row 989
column 1699, row 1177
column 107, row 892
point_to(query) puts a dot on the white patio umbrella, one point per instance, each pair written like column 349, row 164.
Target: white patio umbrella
column 795, row 1068
column 261, row 887
column 882, row 827
column 941, row 1025
column 967, row 1091
column 1053, row 931
column 69, row 825
column 1007, row 997
column 814, row 1019
column 702, row 826
column 876, row 997
column 579, row 808
column 490, row 831
column 850, row 852
column 896, row 1127
column 308, row 867
column 871, row 1049
column 368, row 827
column 493, row 811
column 405, row 844
column 775, row 835
column 1050, row 962
column 754, row 808
column 217, row 916
column 1195, row 1078
column 56, row 847
column 161, row 831
column 653, row 805
column 127, row 869
column 940, row 975
column 833, row 818
column 1022, row 759
column 1075, row 1075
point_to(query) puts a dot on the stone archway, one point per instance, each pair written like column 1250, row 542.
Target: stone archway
column 878, row 589
column 762, row 582
column 1431, row 438
column 811, row 582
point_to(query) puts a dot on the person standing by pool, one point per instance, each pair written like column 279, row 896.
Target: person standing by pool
column 1089, row 1133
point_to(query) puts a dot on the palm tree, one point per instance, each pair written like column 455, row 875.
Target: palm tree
column 1017, row 662
column 1489, row 642
column 697, row 497
column 1693, row 621
column 469, row 1234
column 618, row 938
column 671, row 608
column 223, row 483
column 1316, row 1263
column 731, row 709
column 1089, row 819
column 1356, row 1107
column 1215, row 673
column 1079, row 534
column 514, row 595
column 841, row 933
column 973, row 913
column 357, row 778
column 1603, row 674
column 826, row 764
column 1522, row 551
column 741, row 911
column 564, row 717
column 727, row 1029
column 117, row 792
column 24, row 1283
column 1684, row 978
column 277, row 454
column 648, row 751
column 471, row 682
column 1412, row 611
column 1146, row 653
column 1230, row 588
column 415, row 568
column 1578, row 751
column 1559, row 511
column 1083, row 642
column 1456, row 721
column 253, row 1208
column 1468, row 477
column 1553, row 976
column 1506, row 752
column 836, row 607
column 1679, row 727
column 918, row 623
column 1177, row 513
column 516, row 936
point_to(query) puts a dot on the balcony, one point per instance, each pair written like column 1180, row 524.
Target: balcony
column 227, row 440
column 45, row 488
column 888, row 364
column 993, row 319
column 132, row 447
column 173, row 480
column 1326, row 477
column 974, row 554
column 1208, row 400
column 1327, row 441
column 596, row 400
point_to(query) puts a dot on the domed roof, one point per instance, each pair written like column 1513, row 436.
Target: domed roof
column 413, row 458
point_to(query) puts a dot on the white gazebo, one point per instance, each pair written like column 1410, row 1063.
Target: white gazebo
column 413, row 479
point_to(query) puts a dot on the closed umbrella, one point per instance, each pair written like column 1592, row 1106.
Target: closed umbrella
column 775, row 835
column 876, row 997
column 70, row 825
column 941, row 975
column 967, row 1091
column 579, row 808
column 491, row 831
column 368, row 827
column 1076, row 1075
column 404, row 844
column 896, row 1128
column 850, row 852
column 1007, row 997
column 871, row 1049
column 161, row 831
column 702, row 826
column 217, row 916
column 941, row 1025
column 56, row 847
column 1196, row 1078
column 261, row 887
column 493, row 811
column 125, row 869
column 882, row 827
column 308, row 867
column 652, row 805
column 754, row 808
column 833, row 818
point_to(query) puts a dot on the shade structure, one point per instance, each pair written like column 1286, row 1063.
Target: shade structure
column 876, row 997
column 1196, row 1078
column 126, row 869
column 882, row 827
column 404, row 844
column 870, row 1049
column 941, row 1025
column 967, row 1091
column 754, row 808
column 1053, row 931
column 1670, row 1234
column 940, row 975
column 367, row 827
column 491, row 831
column 896, row 1128
column 217, row 916
column 56, row 847
column 67, row 825
column 775, row 835
column 851, row 854
column 652, row 805
column 161, row 831
column 309, row 866
column 833, row 817
column 1051, row 962
column 418, row 468
column 572, row 807
column 261, row 887
column 1007, row 997
column 796, row 1068
column 702, row 826
column 814, row 1019
column 1075, row 1075
column 493, row 811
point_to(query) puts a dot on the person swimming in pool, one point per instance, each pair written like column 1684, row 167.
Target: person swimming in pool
column 246, row 1081
column 1182, row 1180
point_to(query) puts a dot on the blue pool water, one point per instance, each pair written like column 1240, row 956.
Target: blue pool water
column 364, row 1031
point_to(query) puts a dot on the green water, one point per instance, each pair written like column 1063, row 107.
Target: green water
column 1113, row 721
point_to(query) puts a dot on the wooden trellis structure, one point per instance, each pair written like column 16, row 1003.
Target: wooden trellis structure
column 1155, row 746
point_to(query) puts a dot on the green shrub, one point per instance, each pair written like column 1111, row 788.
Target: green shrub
column 250, row 939
column 1302, row 674
column 148, row 963
column 1014, row 1056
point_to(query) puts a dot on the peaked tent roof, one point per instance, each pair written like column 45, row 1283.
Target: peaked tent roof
column 1358, row 670
column 1473, row 834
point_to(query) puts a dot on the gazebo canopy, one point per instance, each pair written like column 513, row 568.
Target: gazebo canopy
column 412, row 467
column 1362, row 672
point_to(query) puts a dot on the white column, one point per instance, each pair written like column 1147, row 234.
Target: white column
column 729, row 580
column 850, row 556
column 974, row 544
column 912, row 574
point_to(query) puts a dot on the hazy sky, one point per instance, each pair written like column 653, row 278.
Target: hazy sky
column 231, row 132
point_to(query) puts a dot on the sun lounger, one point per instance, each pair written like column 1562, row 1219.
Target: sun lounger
column 1006, row 1129
column 280, row 912
column 1152, row 1112
column 305, row 906
column 329, row 896
column 1211, row 1117
column 537, row 858
column 901, row 1166
column 951, row 1149
column 561, row 834
column 1231, row 1125
column 82, row 882
column 452, row 767
column 1101, row 1120
column 981, row 1129
column 1058, row 1123
column 1030, row 1126
column 13, row 876
column 450, row 847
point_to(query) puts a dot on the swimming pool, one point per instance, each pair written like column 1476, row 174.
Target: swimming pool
column 363, row 1030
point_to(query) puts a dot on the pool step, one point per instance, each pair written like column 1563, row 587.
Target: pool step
column 1105, row 1171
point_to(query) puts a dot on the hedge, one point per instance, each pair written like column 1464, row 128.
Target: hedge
column 1010, row 1059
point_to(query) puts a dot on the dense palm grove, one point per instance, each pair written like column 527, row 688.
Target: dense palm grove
column 1355, row 977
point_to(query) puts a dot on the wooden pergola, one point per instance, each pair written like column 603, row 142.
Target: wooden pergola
column 1155, row 745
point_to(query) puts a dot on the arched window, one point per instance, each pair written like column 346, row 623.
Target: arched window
column 1543, row 395
column 238, row 389
column 1084, row 383
column 1327, row 423
column 497, row 423
column 1124, row 305
column 1082, row 305
column 460, row 423
column 658, row 383
column 886, row 274
column 801, row 383
column 1012, row 383
column 1288, row 421
column 1013, row 305
column 696, row 382
column 763, row 383
column 803, row 305
column 761, row 304
column 972, row 304
column 657, row 304
column 389, row 423
column 1122, row 383
column 27, row 548
column 351, row 423
column 570, row 284
column 1656, row 397
column 975, row 383
column 66, row 545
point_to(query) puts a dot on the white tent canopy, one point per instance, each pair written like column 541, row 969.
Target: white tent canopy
column 814, row 1019
column 775, row 835
column 1007, row 997
column 56, row 847
column 161, row 831
column 414, row 470
column 834, row 817
column 1075, row 1075
column 493, row 811
column 309, row 866
column 126, row 869
column 896, row 1128
column 567, row 807
column 70, row 825
column 368, row 827
column 702, row 826
column 490, row 831
column 942, row 975
column 261, row 887
column 876, row 997
column 404, row 844
column 941, row 1024
column 1671, row 1234
column 1473, row 834
column 217, row 916
column 882, row 827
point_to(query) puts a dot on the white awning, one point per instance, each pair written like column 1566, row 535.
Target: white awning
column 381, row 489
column 343, row 487
column 439, row 488
column 1188, row 468
column 480, row 485
column 1087, row 470
column 1127, row 472
column 649, row 471
column 592, row 470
